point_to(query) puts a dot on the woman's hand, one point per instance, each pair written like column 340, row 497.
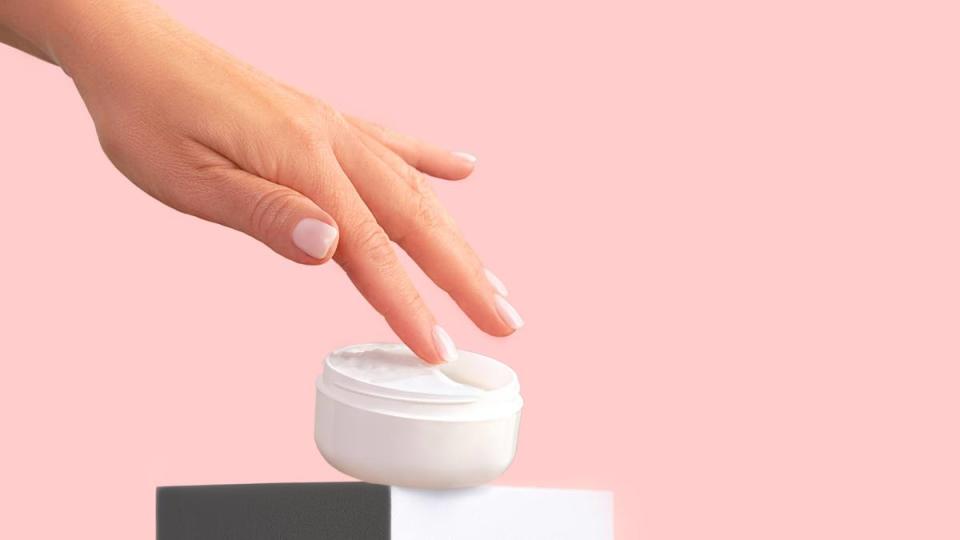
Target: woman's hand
column 212, row 137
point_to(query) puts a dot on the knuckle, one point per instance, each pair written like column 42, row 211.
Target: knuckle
column 372, row 243
column 309, row 125
column 377, row 130
column 322, row 109
column 407, row 300
column 426, row 215
column 305, row 129
column 333, row 117
column 417, row 180
column 271, row 209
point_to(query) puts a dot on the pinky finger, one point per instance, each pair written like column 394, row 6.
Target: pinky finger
column 425, row 157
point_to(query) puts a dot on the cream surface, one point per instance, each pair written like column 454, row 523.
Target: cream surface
column 396, row 367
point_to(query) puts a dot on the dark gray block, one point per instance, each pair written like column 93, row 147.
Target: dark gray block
column 334, row 511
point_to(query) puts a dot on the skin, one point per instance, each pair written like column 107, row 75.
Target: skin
column 213, row 137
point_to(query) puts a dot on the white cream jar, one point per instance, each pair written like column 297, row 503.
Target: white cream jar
column 386, row 417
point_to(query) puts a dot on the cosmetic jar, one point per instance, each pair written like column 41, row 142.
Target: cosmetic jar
column 386, row 417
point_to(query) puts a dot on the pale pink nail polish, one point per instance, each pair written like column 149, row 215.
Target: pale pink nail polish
column 508, row 313
column 314, row 237
column 444, row 345
column 469, row 158
column 495, row 282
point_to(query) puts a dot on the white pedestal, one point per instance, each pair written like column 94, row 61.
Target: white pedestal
column 503, row 513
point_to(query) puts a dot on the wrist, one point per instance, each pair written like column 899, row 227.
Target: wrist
column 80, row 35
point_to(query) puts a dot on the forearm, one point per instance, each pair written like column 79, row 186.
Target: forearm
column 42, row 27
column 70, row 33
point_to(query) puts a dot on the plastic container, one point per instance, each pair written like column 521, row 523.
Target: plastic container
column 402, row 422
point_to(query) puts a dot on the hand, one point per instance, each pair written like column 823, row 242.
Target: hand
column 212, row 137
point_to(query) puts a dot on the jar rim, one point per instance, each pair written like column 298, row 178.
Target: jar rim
column 498, row 389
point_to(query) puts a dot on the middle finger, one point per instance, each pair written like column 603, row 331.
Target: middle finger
column 411, row 214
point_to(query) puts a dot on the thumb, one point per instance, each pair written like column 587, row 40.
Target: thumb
column 284, row 219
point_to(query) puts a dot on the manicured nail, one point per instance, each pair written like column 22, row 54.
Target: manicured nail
column 469, row 158
column 508, row 313
column 495, row 281
column 445, row 346
column 314, row 237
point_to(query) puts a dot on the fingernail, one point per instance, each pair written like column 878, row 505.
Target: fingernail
column 314, row 237
column 508, row 313
column 495, row 281
column 469, row 158
column 445, row 346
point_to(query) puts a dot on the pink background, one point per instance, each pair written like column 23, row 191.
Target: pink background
column 732, row 228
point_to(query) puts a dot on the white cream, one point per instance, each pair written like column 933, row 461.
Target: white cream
column 395, row 367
